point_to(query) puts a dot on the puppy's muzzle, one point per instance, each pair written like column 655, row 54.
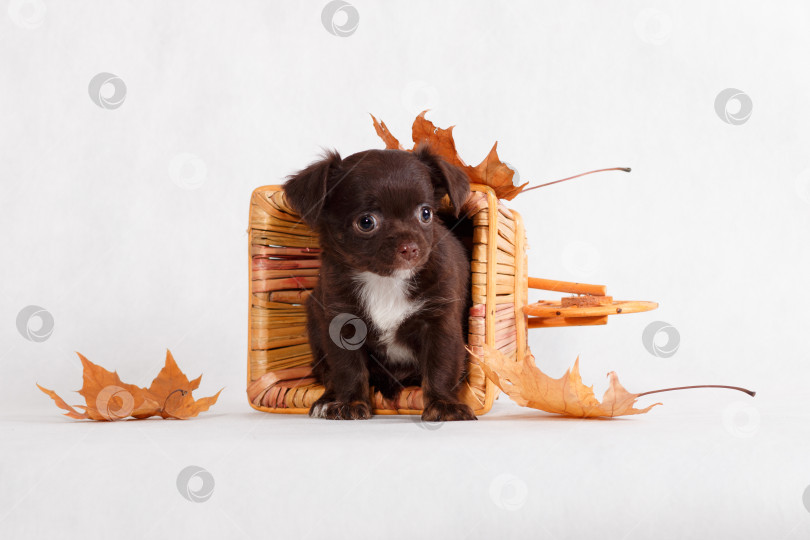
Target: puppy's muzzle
column 408, row 252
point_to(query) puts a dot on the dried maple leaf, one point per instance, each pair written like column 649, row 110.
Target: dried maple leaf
column 491, row 172
column 391, row 142
column 498, row 175
column 71, row 412
column 172, row 389
column 107, row 398
column 526, row 385
column 440, row 141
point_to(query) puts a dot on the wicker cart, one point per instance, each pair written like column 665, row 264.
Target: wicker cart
column 284, row 264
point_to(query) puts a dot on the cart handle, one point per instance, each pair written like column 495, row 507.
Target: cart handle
column 567, row 286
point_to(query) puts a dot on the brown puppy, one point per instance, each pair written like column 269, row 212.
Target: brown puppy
column 389, row 307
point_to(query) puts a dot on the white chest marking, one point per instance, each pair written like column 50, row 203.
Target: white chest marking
column 385, row 301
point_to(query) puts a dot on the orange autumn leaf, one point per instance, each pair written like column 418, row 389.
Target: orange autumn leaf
column 440, row 141
column 71, row 412
column 491, row 171
column 527, row 386
column 108, row 398
column 498, row 175
column 391, row 142
column 172, row 390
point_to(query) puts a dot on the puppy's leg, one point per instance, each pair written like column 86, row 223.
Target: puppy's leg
column 347, row 391
column 443, row 359
column 342, row 371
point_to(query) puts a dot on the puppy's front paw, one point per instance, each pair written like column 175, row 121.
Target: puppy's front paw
column 340, row 410
column 446, row 411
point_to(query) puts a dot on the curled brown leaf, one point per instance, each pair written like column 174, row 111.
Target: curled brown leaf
column 526, row 385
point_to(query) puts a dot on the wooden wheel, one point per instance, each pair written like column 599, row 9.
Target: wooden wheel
column 590, row 307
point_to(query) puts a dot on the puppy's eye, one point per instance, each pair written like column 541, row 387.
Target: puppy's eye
column 425, row 214
column 366, row 223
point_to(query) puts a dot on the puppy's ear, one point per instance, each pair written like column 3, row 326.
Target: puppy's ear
column 306, row 190
column 447, row 178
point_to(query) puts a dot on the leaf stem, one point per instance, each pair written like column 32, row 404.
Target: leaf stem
column 182, row 393
column 625, row 169
column 749, row 392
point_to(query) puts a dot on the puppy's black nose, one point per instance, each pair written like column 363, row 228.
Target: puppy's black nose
column 408, row 251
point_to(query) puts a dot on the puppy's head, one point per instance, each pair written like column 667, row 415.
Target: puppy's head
column 376, row 209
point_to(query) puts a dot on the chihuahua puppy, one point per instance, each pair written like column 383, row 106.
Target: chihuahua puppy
column 389, row 307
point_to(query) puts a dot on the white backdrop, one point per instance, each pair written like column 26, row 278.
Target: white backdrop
column 124, row 216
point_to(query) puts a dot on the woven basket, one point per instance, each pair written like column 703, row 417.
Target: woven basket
column 277, row 336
